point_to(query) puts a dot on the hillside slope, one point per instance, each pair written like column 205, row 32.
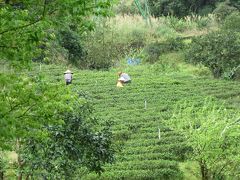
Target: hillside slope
column 139, row 111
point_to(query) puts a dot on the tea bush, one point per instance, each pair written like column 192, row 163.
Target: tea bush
column 142, row 155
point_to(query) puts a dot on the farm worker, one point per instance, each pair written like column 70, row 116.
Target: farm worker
column 68, row 77
column 123, row 78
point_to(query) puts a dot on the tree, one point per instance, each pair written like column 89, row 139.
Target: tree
column 70, row 40
column 182, row 8
column 25, row 24
column 70, row 148
column 212, row 132
column 219, row 51
column 178, row 8
column 51, row 128
column 27, row 103
column 224, row 9
column 32, row 109
column 232, row 23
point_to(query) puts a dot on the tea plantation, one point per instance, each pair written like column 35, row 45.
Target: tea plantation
column 146, row 147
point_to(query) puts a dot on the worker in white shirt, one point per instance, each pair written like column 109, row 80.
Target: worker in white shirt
column 68, row 76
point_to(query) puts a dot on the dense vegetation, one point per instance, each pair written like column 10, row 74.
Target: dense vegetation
column 27, row 26
column 182, row 8
column 178, row 119
column 37, row 115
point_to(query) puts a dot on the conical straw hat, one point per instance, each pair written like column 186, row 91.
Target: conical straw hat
column 68, row 72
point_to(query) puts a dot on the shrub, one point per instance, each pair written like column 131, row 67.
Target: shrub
column 188, row 22
column 51, row 50
column 70, row 40
column 178, row 24
column 219, row 51
column 236, row 73
column 202, row 22
column 197, row 21
column 163, row 66
column 233, row 74
column 201, row 70
column 138, row 38
column 164, row 31
column 55, row 53
column 98, row 58
column 103, row 48
column 3, row 164
column 154, row 50
column 175, row 44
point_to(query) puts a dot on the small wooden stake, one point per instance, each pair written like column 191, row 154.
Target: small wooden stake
column 145, row 104
column 159, row 133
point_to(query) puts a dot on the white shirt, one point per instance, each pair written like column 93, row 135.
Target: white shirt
column 68, row 76
column 124, row 77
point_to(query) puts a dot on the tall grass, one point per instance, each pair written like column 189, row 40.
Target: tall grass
column 163, row 26
column 120, row 37
column 133, row 27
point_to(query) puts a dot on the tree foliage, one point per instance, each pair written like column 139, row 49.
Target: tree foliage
column 27, row 103
column 219, row 51
column 70, row 40
column 51, row 128
column 71, row 146
column 182, row 8
column 232, row 22
column 35, row 112
column 24, row 24
column 225, row 8
column 177, row 8
column 212, row 132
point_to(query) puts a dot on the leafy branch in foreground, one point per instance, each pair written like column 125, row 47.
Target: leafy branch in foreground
column 51, row 128
column 25, row 24
column 212, row 132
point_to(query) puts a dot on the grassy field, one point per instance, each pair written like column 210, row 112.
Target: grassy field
column 140, row 109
